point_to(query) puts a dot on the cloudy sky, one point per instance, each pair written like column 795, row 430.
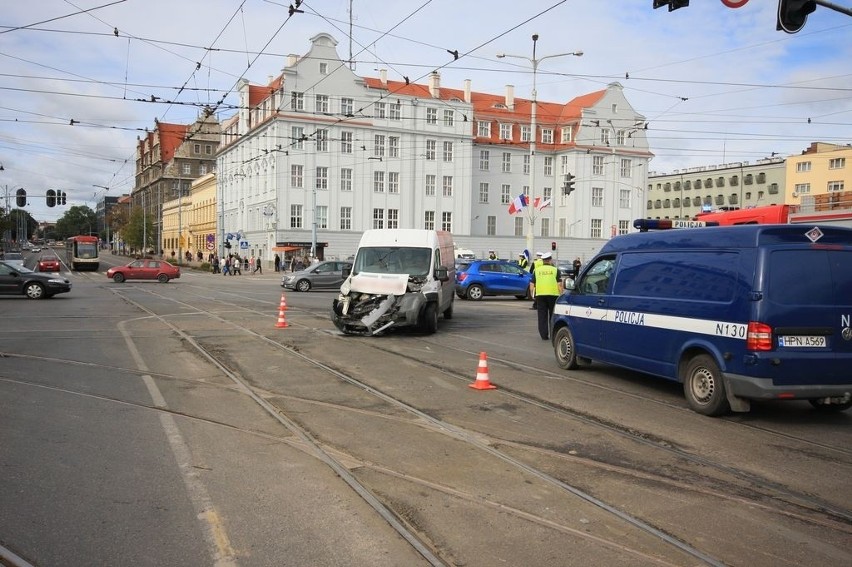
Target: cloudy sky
column 716, row 84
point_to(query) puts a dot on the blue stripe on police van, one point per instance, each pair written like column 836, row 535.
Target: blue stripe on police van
column 699, row 326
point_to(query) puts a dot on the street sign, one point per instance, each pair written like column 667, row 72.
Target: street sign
column 243, row 244
column 210, row 242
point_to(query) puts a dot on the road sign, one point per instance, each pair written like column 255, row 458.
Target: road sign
column 210, row 243
column 734, row 3
column 243, row 244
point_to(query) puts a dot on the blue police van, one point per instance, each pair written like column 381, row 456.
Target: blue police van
column 735, row 313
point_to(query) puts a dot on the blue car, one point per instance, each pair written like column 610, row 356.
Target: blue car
column 491, row 277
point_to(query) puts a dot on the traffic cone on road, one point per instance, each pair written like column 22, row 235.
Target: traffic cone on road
column 482, row 382
column 282, row 320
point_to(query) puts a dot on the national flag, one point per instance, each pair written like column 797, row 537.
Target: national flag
column 539, row 203
column 518, row 204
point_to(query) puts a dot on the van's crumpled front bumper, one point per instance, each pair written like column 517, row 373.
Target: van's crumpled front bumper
column 371, row 303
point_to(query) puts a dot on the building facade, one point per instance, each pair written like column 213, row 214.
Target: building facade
column 820, row 179
column 319, row 155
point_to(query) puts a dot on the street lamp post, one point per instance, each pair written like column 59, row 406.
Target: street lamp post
column 531, row 211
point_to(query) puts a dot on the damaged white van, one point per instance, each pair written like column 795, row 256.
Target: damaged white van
column 399, row 278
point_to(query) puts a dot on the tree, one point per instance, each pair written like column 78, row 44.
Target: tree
column 132, row 233
column 77, row 220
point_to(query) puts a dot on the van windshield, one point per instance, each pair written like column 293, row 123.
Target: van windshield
column 393, row 260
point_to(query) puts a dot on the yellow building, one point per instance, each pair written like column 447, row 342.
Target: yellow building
column 195, row 214
column 821, row 177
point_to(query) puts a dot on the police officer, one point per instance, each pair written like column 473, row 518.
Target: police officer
column 547, row 288
column 523, row 263
column 537, row 262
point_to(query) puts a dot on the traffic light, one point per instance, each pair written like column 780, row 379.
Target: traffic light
column 51, row 198
column 227, row 245
column 672, row 4
column 62, row 197
column 21, row 198
column 553, row 246
column 568, row 186
column 792, row 14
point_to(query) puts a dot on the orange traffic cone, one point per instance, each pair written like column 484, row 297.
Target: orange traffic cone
column 482, row 382
column 282, row 320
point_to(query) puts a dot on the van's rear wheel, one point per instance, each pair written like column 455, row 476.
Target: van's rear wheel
column 565, row 349
column 704, row 387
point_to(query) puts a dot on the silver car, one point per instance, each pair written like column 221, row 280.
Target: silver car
column 15, row 259
column 325, row 275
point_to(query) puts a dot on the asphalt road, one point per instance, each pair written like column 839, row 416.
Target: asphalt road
column 178, row 424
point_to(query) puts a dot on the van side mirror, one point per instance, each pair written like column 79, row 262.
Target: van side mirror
column 346, row 271
column 568, row 284
column 442, row 274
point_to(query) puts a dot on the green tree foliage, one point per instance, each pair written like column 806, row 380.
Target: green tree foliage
column 132, row 233
column 76, row 221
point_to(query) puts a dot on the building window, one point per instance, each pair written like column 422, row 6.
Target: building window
column 393, row 182
column 596, row 228
column 295, row 216
column 803, row 166
column 322, row 103
column 448, row 152
column 322, row 178
column 447, row 221
column 429, row 220
column 525, row 133
column 202, row 168
column 346, row 142
column 379, row 110
column 378, row 182
column 734, row 181
column 196, row 148
column 378, row 218
column 297, row 101
column 431, row 182
column 345, row 218
column 597, row 196
column 297, row 174
column 346, row 179
column 186, row 168
column 619, row 138
column 548, row 165
column 484, row 156
column 395, row 111
column 346, row 106
column 393, row 218
column 519, row 225
column 378, row 145
column 393, row 146
column 624, row 198
column 322, row 216
column 837, row 163
column 835, row 186
column 761, row 178
column 483, row 193
column 566, row 135
column 507, row 162
column 322, row 140
column 526, row 166
column 546, row 135
column 491, row 225
column 545, row 227
column 447, row 186
column 298, row 135
column 505, row 194
column 208, row 149
column 323, row 68
column 449, row 117
column 720, row 182
column 431, row 116
column 597, row 165
column 483, row 129
column 604, row 137
column 802, row 188
column 627, row 168
column 505, row 131
column 431, row 150
column 623, row 226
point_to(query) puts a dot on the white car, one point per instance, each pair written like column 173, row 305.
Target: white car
column 14, row 259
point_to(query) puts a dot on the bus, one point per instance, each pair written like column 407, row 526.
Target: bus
column 81, row 252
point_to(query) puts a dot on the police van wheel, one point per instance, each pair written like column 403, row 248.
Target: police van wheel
column 429, row 320
column 565, row 349
column 704, row 388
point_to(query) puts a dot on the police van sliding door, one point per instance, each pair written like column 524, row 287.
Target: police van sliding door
column 588, row 312
column 665, row 300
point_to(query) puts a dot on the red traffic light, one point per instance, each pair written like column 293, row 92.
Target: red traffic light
column 553, row 245
column 21, row 197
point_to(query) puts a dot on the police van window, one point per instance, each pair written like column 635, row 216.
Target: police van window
column 810, row 277
column 596, row 279
column 693, row 275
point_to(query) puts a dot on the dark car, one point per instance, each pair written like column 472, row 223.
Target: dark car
column 492, row 277
column 145, row 269
column 48, row 263
column 18, row 280
column 325, row 275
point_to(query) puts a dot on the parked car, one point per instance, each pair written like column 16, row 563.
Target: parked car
column 325, row 275
column 492, row 277
column 145, row 269
column 48, row 263
column 18, row 280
